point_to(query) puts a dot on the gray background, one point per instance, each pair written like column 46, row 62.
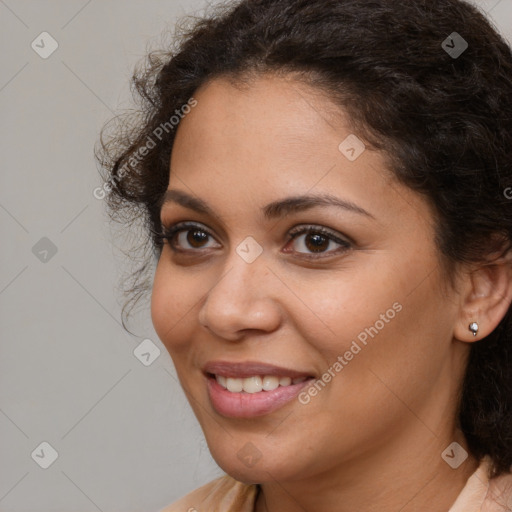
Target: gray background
column 124, row 434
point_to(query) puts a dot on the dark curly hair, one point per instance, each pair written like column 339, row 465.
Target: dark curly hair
column 442, row 120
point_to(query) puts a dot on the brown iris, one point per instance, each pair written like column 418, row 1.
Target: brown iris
column 316, row 242
column 196, row 237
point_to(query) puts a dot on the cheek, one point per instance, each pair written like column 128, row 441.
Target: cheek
column 343, row 305
column 387, row 315
column 395, row 338
column 172, row 299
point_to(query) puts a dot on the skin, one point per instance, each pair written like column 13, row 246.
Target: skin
column 372, row 438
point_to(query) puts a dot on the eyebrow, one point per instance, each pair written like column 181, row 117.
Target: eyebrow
column 274, row 210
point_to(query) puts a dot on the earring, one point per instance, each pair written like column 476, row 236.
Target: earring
column 473, row 327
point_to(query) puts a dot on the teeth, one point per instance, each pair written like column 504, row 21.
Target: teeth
column 252, row 384
column 270, row 382
column 234, row 385
column 285, row 381
column 256, row 383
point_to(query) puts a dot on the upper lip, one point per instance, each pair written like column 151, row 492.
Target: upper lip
column 249, row 369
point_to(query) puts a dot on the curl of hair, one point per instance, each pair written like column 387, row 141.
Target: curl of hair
column 443, row 124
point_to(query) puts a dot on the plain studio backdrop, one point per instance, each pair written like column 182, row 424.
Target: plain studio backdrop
column 87, row 423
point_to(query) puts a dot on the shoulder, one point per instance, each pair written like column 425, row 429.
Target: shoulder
column 499, row 494
column 220, row 495
column 482, row 494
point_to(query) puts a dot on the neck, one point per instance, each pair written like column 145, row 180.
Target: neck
column 408, row 476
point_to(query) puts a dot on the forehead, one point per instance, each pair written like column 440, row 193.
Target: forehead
column 274, row 125
column 288, row 111
column 254, row 142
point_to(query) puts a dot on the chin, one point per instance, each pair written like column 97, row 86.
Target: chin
column 250, row 465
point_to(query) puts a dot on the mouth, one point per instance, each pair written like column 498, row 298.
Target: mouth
column 255, row 383
column 246, row 390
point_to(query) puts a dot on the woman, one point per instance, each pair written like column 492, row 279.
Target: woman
column 324, row 183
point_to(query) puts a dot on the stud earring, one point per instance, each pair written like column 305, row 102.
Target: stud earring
column 473, row 327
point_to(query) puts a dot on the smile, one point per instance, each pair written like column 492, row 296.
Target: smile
column 246, row 390
column 256, row 384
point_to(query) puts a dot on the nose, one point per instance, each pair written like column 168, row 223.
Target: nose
column 243, row 299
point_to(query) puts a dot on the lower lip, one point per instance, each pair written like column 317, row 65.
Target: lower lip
column 249, row 405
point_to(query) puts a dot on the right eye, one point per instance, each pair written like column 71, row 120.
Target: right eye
column 187, row 237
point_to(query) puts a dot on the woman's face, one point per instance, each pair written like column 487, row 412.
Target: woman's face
column 355, row 304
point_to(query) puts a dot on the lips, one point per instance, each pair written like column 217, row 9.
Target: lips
column 245, row 369
column 248, row 389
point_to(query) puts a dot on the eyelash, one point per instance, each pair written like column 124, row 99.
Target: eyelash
column 168, row 234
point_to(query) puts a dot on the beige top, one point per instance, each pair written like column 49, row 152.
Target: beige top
column 228, row 495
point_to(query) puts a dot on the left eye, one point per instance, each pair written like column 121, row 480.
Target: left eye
column 317, row 241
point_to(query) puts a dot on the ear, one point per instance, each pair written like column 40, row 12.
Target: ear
column 486, row 298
